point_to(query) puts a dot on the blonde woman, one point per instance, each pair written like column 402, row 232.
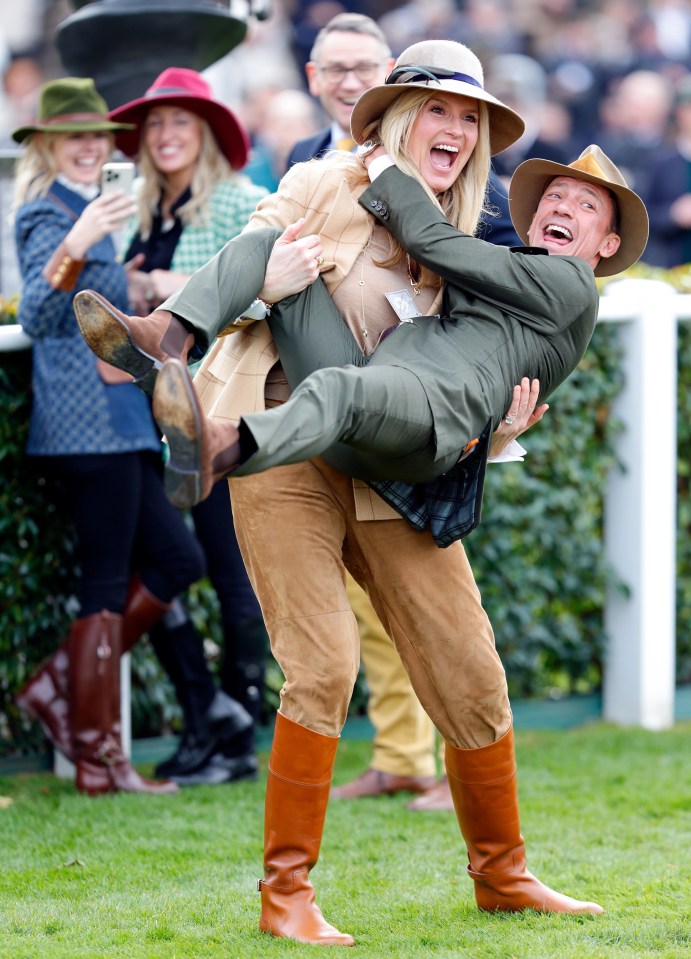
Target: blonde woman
column 300, row 525
column 93, row 429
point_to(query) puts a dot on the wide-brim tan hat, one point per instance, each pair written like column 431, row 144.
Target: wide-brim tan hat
column 531, row 177
column 438, row 65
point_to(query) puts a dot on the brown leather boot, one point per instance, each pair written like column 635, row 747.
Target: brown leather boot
column 202, row 450
column 44, row 697
column 139, row 345
column 483, row 786
column 297, row 793
column 94, row 684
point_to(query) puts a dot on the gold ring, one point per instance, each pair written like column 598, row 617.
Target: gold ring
column 320, row 260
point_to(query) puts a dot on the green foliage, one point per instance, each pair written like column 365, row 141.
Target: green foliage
column 538, row 554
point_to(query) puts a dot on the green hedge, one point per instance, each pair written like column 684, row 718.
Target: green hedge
column 537, row 555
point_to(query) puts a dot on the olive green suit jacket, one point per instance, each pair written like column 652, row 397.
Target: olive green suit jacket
column 506, row 314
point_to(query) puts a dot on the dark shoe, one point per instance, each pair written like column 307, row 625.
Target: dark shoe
column 202, row 450
column 374, row 782
column 221, row 769
column 437, row 799
column 224, row 719
column 139, row 345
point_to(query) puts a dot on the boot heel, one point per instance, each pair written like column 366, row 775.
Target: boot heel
column 183, row 489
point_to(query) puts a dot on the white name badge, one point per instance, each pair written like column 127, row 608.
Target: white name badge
column 403, row 305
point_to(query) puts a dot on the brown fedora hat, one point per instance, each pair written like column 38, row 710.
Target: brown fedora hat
column 532, row 176
column 179, row 86
column 438, row 65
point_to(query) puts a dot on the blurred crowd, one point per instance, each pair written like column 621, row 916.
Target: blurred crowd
column 579, row 71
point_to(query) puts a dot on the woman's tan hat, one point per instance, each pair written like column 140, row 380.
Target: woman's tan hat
column 70, row 105
column 532, row 176
column 438, row 65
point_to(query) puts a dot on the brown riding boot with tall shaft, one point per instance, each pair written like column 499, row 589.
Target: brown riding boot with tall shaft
column 202, row 450
column 44, row 697
column 297, row 794
column 139, row 345
column 94, row 698
column 484, row 790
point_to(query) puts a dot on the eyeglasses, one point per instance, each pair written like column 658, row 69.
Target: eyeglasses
column 336, row 73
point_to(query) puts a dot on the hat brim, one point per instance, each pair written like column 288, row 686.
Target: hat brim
column 232, row 139
column 525, row 192
column 85, row 126
column 505, row 125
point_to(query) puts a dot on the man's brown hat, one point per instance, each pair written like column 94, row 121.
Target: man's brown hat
column 532, row 176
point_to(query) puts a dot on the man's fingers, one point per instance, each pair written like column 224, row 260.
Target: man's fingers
column 292, row 231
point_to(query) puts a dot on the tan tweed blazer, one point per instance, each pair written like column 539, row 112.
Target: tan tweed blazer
column 231, row 378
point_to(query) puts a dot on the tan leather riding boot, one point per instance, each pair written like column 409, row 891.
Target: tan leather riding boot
column 202, row 450
column 484, row 790
column 94, row 701
column 139, row 345
column 297, row 794
column 44, row 697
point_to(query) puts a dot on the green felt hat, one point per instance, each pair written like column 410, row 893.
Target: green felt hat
column 70, row 105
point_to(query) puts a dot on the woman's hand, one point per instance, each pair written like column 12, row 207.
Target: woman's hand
column 293, row 265
column 164, row 283
column 102, row 216
column 521, row 413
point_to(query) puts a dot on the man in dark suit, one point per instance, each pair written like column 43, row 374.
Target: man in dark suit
column 350, row 55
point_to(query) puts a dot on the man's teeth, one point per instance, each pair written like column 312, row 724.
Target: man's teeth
column 559, row 232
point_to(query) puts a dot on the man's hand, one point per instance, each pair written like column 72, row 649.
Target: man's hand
column 522, row 414
column 293, row 265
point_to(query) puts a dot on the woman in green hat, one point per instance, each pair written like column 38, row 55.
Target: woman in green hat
column 94, row 429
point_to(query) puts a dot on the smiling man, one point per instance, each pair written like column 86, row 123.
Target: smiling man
column 350, row 55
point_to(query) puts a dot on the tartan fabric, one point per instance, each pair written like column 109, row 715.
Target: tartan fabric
column 448, row 506
column 73, row 410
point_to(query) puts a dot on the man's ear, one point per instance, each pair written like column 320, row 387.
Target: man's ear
column 610, row 245
column 312, row 74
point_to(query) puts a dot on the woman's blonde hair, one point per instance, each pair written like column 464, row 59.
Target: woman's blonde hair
column 36, row 168
column 211, row 168
column 464, row 201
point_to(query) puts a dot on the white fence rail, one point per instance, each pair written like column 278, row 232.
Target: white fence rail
column 640, row 507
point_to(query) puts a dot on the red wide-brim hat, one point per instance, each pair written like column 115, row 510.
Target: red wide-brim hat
column 178, row 86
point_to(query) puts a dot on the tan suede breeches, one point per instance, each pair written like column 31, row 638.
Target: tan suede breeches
column 297, row 530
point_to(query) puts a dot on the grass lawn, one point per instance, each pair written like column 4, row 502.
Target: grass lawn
column 606, row 814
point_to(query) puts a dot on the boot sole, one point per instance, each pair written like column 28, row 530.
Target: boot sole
column 109, row 338
column 179, row 418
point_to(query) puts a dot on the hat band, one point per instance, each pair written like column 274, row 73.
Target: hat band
column 170, row 91
column 426, row 74
column 76, row 118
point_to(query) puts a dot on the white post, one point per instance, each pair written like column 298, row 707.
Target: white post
column 640, row 520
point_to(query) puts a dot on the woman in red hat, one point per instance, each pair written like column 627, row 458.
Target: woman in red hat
column 192, row 199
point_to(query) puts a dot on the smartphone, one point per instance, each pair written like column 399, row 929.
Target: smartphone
column 117, row 176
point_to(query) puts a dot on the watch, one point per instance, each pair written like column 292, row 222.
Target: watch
column 367, row 147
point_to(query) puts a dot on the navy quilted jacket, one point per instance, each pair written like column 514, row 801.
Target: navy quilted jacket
column 73, row 410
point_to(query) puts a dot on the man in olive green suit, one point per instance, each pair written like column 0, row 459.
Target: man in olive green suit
column 412, row 410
